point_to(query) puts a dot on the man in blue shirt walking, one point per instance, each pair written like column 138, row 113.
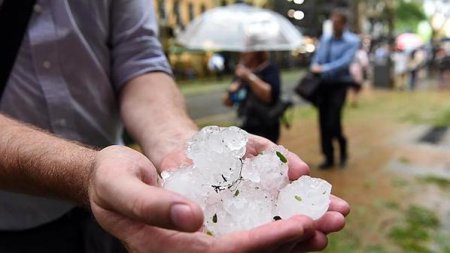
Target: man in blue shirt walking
column 332, row 62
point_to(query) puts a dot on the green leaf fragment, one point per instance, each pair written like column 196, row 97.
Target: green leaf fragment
column 214, row 219
column 282, row 157
column 298, row 198
column 236, row 193
column 209, row 233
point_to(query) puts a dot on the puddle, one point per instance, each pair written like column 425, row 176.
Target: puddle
column 419, row 171
column 435, row 135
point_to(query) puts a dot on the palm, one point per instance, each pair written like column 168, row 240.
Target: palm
column 127, row 201
column 140, row 238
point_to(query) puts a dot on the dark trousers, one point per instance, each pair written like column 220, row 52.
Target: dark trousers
column 330, row 104
column 271, row 132
column 75, row 232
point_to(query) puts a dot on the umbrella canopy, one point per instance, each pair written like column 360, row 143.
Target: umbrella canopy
column 408, row 41
column 240, row 28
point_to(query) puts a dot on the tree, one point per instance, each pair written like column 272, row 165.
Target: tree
column 408, row 15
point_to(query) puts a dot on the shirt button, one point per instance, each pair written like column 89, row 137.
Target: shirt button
column 47, row 64
column 37, row 8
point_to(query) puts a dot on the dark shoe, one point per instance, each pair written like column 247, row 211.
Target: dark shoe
column 326, row 165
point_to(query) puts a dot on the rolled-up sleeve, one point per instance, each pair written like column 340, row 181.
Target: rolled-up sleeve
column 135, row 47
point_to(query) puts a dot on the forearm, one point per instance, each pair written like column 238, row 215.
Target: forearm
column 260, row 88
column 342, row 63
column 39, row 163
column 154, row 113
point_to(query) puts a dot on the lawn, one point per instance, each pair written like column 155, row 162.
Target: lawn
column 391, row 211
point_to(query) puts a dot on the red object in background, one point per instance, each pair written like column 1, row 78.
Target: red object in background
column 408, row 41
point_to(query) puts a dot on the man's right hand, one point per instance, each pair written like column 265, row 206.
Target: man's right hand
column 127, row 202
column 316, row 69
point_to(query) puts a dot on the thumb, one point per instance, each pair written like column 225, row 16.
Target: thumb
column 151, row 205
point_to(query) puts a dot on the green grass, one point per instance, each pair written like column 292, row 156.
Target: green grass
column 344, row 241
column 376, row 249
column 442, row 119
column 436, row 116
column 391, row 205
column 415, row 233
column 439, row 181
column 398, row 182
column 404, row 160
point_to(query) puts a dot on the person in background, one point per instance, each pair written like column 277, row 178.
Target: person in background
column 332, row 61
column 255, row 89
column 415, row 62
column 216, row 65
column 85, row 69
column 400, row 59
column 359, row 70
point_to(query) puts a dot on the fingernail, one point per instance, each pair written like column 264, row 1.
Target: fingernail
column 182, row 216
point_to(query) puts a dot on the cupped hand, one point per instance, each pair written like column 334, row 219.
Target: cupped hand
column 332, row 221
column 127, row 201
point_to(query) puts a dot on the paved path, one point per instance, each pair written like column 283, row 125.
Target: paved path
column 209, row 104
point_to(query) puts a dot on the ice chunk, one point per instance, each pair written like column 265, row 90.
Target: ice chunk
column 216, row 141
column 239, row 194
column 187, row 182
column 242, row 209
column 307, row 196
column 268, row 170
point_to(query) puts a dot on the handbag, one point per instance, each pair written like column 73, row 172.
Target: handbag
column 257, row 113
column 14, row 18
column 277, row 110
column 309, row 87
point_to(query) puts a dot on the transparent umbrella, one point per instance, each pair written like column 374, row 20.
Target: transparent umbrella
column 240, row 28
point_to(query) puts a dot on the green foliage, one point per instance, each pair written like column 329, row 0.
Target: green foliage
column 443, row 119
column 416, row 232
column 408, row 15
column 439, row 181
column 419, row 216
column 281, row 157
column 439, row 117
column 344, row 241
column 376, row 249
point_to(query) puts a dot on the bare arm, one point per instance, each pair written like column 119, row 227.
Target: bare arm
column 260, row 88
column 154, row 113
column 121, row 184
column 36, row 162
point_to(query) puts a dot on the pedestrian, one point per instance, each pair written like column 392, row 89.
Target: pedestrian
column 216, row 65
column 256, row 89
column 414, row 66
column 332, row 62
column 84, row 68
column 400, row 59
column 359, row 70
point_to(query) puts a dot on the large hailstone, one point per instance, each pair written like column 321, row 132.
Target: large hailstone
column 307, row 196
column 237, row 192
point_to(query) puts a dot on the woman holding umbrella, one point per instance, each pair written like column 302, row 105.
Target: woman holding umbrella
column 256, row 91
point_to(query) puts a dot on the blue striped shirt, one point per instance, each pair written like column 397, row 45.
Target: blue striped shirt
column 336, row 55
column 75, row 58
